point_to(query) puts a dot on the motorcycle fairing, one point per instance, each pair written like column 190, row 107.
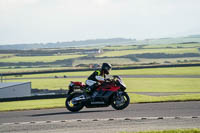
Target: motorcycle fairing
column 108, row 87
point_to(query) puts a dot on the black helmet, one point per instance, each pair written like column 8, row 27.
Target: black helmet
column 106, row 68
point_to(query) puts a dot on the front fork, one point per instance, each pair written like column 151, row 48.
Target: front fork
column 119, row 93
column 69, row 92
column 120, row 98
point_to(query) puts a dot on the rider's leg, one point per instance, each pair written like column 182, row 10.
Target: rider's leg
column 89, row 84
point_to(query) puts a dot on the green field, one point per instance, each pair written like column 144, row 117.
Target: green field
column 142, row 51
column 160, row 71
column 162, row 84
column 121, row 47
column 116, row 61
column 152, row 46
column 147, row 71
column 171, row 60
column 5, row 55
column 143, row 84
column 133, row 85
column 189, row 45
column 39, row 58
column 60, row 102
column 112, row 54
column 30, row 69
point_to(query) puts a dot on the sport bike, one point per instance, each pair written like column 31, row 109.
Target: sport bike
column 111, row 92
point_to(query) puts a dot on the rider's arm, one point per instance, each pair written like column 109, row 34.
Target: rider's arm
column 100, row 78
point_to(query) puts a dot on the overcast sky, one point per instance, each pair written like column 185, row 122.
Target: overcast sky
column 42, row 21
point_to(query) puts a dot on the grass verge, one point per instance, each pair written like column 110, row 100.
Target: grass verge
column 133, row 84
column 148, row 71
column 162, row 84
column 170, row 131
column 137, row 98
column 60, row 102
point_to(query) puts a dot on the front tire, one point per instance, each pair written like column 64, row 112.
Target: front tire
column 73, row 107
column 120, row 102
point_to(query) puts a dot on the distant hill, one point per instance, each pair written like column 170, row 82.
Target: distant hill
column 101, row 42
column 195, row 36
column 94, row 42
column 177, row 40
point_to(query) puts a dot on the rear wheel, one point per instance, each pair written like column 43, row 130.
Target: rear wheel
column 74, row 106
column 120, row 101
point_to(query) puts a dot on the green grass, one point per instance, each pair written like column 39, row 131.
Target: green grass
column 32, row 104
column 162, row 84
column 170, row 60
column 170, row 131
column 5, row 55
column 118, row 61
column 60, row 102
column 133, row 84
column 147, row 71
column 30, row 69
column 16, row 59
column 141, row 51
column 121, row 47
column 160, row 71
column 137, row 98
column 173, row 45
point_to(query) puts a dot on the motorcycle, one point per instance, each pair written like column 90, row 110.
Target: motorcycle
column 108, row 93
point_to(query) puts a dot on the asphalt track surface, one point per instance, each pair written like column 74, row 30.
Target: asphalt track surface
column 136, row 117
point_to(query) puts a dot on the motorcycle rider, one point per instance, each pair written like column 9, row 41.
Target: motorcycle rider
column 97, row 77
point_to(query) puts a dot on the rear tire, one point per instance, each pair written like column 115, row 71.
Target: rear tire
column 115, row 101
column 73, row 107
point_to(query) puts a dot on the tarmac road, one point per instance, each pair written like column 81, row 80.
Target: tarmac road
column 136, row 117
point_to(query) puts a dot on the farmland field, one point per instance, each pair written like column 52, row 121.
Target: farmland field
column 142, row 51
column 5, row 55
column 189, row 45
column 39, row 58
column 119, row 61
column 115, row 56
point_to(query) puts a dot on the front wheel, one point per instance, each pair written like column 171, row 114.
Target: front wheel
column 120, row 101
column 73, row 106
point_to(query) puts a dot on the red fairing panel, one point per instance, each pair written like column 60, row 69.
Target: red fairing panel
column 108, row 88
column 78, row 83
